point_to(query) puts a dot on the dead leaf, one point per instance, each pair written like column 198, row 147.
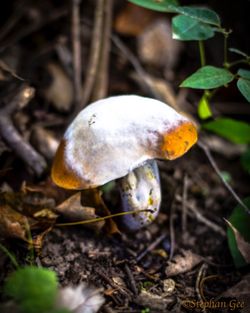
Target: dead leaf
column 48, row 189
column 168, row 286
column 94, row 197
column 153, row 301
column 133, row 19
column 37, row 242
column 157, row 47
column 45, row 142
column 45, row 214
column 12, row 223
column 80, row 299
column 60, row 91
column 73, row 210
column 6, row 72
column 182, row 263
column 29, row 205
column 242, row 244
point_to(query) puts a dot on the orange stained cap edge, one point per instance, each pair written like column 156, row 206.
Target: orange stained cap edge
column 179, row 140
column 61, row 174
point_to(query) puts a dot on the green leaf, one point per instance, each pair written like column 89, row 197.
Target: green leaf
column 237, row 51
column 208, row 77
column 245, row 160
column 187, row 28
column 244, row 87
column 33, row 288
column 235, row 131
column 204, row 110
column 241, row 221
column 244, row 73
column 157, row 5
column 203, row 15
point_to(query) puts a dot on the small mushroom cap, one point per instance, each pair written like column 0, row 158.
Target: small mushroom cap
column 113, row 136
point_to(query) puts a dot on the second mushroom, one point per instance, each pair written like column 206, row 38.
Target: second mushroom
column 119, row 138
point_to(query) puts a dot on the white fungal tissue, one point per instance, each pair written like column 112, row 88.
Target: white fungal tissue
column 113, row 136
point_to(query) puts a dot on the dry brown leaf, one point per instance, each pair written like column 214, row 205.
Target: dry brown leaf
column 168, row 286
column 12, row 223
column 157, row 47
column 45, row 142
column 133, row 19
column 94, row 197
column 60, row 91
column 73, row 210
column 32, row 205
column 152, row 301
column 48, row 190
column 182, row 263
column 6, row 73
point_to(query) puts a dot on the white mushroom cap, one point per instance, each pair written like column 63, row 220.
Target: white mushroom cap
column 113, row 136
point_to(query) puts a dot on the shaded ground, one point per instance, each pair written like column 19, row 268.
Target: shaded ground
column 112, row 263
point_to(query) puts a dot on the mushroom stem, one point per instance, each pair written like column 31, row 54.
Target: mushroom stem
column 140, row 190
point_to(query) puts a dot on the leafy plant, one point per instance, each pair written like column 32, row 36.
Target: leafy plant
column 239, row 236
column 200, row 24
column 34, row 289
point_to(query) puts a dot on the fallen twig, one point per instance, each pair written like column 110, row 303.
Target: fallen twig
column 201, row 273
column 131, row 279
column 184, row 205
column 147, row 83
column 10, row 134
column 171, row 230
column 201, row 218
column 218, row 172
column 151, row 247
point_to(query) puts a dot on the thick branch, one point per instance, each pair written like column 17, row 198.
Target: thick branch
column 94, row 54
column 101, row 81
column 13, row 138
column 76, row 46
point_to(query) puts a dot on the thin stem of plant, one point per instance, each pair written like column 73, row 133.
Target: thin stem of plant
column 100, row 219
column 10, row 255
column 225, row 50
column 144, row 76
column 202, row 53
column 184, row 205
column 30, row 243
column 217, row 170
column 241, row 61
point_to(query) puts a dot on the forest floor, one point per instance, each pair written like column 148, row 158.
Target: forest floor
column 182, row 259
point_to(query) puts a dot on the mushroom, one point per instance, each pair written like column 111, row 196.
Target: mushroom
column 120, row 138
